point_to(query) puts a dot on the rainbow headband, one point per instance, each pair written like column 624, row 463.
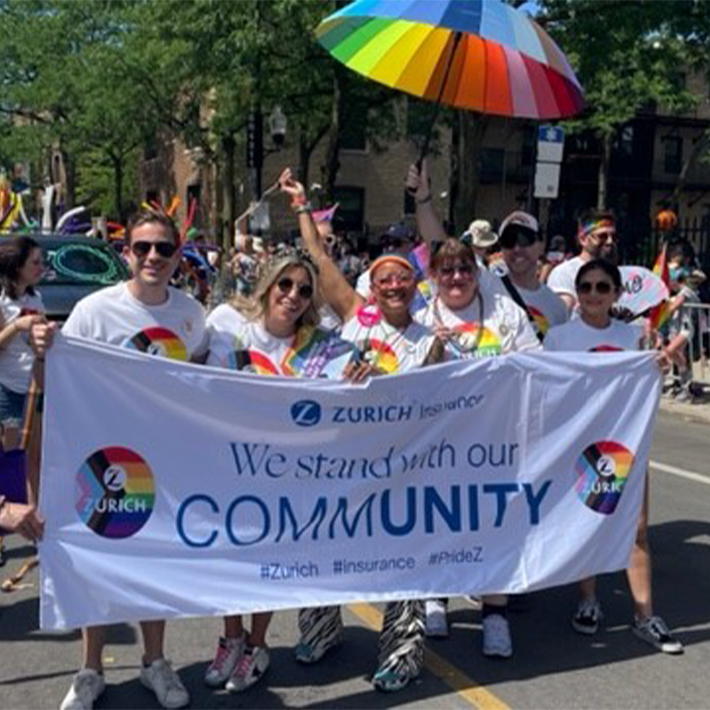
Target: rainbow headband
column 591, row 225
column 389, row 259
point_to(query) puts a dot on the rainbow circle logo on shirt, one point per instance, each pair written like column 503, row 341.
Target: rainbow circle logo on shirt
column 538, row 317
column 159, row 341
column 602, row 471
column 380, row 355
column 250, row 361
column 474, row 341
column 115, row 492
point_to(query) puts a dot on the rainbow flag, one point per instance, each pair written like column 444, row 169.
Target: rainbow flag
column 661, row 313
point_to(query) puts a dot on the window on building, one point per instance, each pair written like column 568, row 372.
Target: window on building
column 351, row 213
column 624, row 141
column 492, row 160
column 527, row 157
column 354, row 135
column 672, row 154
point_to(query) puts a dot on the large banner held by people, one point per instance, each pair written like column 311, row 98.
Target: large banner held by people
column 177, row 490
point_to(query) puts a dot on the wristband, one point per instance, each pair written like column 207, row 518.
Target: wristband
column 425, row 200
column 300, row 209
column 299, row 201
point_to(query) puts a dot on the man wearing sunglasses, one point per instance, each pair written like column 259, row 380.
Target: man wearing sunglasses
column 522, row 246
column 143, row 314
column 598, row 240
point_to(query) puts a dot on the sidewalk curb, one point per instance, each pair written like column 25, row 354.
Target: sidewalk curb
column 699, row 413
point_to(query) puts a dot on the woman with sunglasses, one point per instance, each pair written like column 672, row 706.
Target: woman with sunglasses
column 475, row 323
column 598, row 285
column 274, row 331
column 389, row 341
column 21, row 306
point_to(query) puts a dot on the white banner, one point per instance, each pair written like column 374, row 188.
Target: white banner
column 176, row 490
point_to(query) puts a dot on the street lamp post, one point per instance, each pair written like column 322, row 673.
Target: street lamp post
column 256, row 152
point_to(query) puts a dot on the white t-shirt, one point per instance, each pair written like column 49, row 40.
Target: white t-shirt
column 385, row 347
column 545, row 306
column 16, row 357
column 576, row 335
column 492, row 324
column 174, row 329
column 561, row 279
column 236, row 343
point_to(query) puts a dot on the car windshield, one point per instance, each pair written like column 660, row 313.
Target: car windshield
column 76, row 263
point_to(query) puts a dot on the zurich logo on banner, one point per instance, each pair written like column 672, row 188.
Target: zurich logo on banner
column 306, row 412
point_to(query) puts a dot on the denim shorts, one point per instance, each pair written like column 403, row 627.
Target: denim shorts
column 12, row 407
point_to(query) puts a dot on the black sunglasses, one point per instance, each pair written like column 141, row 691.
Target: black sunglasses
column 602, row 287
column 164, row 249
column 286, row 285
column 518, row 236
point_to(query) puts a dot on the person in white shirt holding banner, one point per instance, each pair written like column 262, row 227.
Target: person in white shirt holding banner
column 389, row 341
column 143, row 314
column 598, row 285
column 275, row 331
column 477, row 318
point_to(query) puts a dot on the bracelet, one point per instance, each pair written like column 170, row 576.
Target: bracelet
column 425, row 200
column 299, row 201
column 306, row 207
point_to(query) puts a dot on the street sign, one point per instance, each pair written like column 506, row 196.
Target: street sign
column 550, row 144
column 547, row 180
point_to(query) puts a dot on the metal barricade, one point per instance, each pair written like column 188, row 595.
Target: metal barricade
column 698, row 314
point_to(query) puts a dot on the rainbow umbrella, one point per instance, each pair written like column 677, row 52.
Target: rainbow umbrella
column 481, row 55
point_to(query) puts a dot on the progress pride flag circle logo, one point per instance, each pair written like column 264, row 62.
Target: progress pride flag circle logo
column 115, row 492
column 602, row 471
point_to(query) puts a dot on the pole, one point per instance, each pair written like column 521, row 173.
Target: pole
column 442, row 88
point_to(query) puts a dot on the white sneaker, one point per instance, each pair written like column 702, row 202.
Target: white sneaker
column 436, row 624
column 496, row 637
column 229, row 651
column 250, row 668
column 165, row 683
column 85, row 689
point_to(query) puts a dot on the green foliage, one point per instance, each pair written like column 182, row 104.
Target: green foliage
column 627, row 56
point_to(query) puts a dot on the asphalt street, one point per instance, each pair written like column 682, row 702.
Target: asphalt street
column 552, row 666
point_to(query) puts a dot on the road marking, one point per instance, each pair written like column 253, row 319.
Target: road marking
column 464, row 686
column 690, row 475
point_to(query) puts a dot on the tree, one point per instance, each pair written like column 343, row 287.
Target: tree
column 627, row 56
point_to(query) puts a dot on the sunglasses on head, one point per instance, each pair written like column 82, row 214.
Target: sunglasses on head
column 601, row 287
column 518, row 236
column 285, row 285
column 164, row 249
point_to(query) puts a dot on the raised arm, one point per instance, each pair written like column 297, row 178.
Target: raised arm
column 339, row 294
column 428, row 222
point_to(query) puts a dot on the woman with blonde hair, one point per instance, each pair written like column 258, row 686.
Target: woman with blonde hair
column 273, row 331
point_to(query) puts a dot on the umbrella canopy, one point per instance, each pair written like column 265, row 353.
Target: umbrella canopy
column 481, row 55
